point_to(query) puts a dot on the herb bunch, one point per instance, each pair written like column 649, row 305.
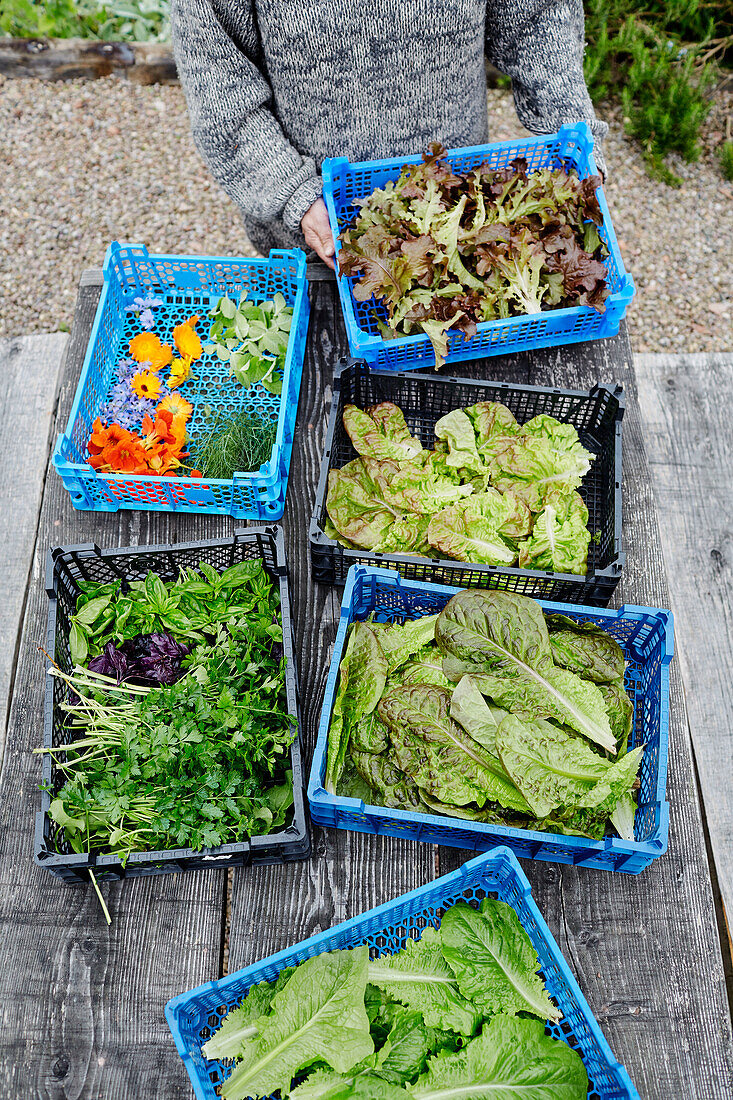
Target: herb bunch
column 252, row 339
column 197, row 763
column 443, row 250
column 235, row 443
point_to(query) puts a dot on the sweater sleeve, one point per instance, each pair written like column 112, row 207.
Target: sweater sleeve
column 230, row 105
column 540, row 44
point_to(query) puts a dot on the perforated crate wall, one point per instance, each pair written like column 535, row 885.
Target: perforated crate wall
column 187, row 285
column 69, row 565
column 646, row 636
column 596, row 414
column 193, row 1017
column 571, row 147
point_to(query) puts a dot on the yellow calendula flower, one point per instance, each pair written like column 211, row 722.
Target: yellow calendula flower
column 180, row 373
column 146, row 347
column 187, row 340
column 146, row 384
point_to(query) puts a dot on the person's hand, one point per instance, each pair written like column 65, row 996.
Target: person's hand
column 317, row 231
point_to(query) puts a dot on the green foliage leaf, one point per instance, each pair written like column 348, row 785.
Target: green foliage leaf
column 494, row 961
column 318, row 1016
column 362, row 676
column 512, row 1059
column 502, row 638
column 419, row 978
column 78, row 644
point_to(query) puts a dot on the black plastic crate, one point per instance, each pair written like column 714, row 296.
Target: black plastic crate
column 597, row 415
column 66, row 566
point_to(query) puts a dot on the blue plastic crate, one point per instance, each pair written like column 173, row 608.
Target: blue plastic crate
column 187, row 285
column 571, row 147
column 193, row 1017
column 646, row 636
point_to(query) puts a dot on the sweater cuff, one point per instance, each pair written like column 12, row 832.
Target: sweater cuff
column 599, row 130
column 301, row 200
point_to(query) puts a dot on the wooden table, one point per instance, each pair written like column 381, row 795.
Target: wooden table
column 82, row 1004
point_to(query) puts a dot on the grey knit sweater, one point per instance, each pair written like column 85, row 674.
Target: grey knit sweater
column 275, row 86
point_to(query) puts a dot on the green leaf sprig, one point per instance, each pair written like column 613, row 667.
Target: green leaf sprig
column 252, row 339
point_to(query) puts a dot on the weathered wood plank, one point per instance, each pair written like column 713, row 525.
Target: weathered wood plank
column 644, row 949
column 83, row 1004
column 685, row 403
column 80, row 58
column 30, row 368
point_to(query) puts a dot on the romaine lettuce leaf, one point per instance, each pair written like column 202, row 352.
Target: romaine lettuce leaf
column 501, row 638
column 318, row 1016
column 512, row 1059
column 419, row 978
column 435, row 751
column 494, row 961
column 554, row 768
column 239, row 1027
column 480, row 721
column 362, row 676
column 392, row 787
column 399, row 641
column 586, row 649
column 620, row 713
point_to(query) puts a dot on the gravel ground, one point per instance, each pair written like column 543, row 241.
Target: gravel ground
column 91, row 162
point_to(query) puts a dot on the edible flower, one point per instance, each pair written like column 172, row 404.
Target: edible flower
column 146, row 347
column 146, row 384
column 180, row 411
column 159, row 450
column 180, row 373
column 144, row 308
column 187, row 340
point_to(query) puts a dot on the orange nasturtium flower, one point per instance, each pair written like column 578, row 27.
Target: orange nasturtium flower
column 180, row 410
column 146, row 384
column 187, row 340
column 147, row 348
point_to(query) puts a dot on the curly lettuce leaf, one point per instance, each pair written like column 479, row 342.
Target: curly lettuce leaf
column 355, row 508
column 557, row 544
column 457, row 431
column 318, row 1016
column 494, row 961
column 477, row 529
column 380, row 432
column 419, row 978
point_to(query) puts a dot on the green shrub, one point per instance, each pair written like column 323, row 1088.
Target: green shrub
column 660, row 58
column 109, row 20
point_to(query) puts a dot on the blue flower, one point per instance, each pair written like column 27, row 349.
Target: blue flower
column 144, row 307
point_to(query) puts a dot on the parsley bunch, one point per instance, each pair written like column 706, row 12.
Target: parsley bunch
column 196, row 764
